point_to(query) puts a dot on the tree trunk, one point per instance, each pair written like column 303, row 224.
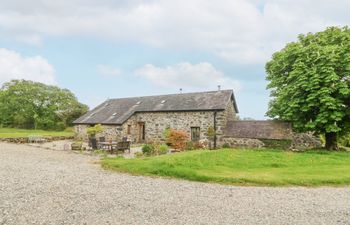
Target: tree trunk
column 331, row 141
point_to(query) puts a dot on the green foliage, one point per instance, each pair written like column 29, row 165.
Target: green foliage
column 166, row 133
column 345, row 140
column 190, row 145
column 211, row 133
column 163, row 149
column 148, row 149
column 310, row 82
column 155, row 148
column 226, row 145
column 27, row 104
column 92, row 131
column 17, row 133
column 281, row 144
column 244, row 167
column 138, row 154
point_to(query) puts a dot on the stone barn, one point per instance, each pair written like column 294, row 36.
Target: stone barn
column 143, row 119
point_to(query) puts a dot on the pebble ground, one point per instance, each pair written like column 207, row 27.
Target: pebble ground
column 39, row 186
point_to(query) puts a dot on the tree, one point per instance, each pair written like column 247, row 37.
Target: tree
column 27, row 104
column 309, row 82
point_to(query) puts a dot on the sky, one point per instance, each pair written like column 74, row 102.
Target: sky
column 102, row 49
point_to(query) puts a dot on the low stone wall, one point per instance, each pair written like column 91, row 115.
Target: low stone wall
column 302, row 141
column 23, row 140
column 299, row 141
column 258, row 129
column 242, row 142
column 268, row 134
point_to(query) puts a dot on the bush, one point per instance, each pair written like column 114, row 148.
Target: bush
column 138, row 154
column 190, row 145
column 178, row 139
column 166, row 133
column 163, row 149
column 345, row 140
column 226, row 145
column 148, row 149
column 60, row 126
column 202, row 144
column 92, row 131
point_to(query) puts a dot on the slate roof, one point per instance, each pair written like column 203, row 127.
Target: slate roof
column 117, row 111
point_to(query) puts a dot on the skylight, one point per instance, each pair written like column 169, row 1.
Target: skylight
column 163, row 101
column 138, row 103
column 114, row 114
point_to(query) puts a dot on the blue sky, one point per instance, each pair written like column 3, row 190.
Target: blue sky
column 109, row 49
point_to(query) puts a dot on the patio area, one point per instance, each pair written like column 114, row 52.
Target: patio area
column 65, row 145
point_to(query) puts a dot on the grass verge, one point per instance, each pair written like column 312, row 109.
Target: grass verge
column 244, row 167
column 18, row 133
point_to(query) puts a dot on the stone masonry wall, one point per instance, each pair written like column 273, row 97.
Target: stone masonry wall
column 110, row 132
column 222, row 119
column 157, row 122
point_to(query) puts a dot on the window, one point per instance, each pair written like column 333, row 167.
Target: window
column 129, row 129
column 195, row 133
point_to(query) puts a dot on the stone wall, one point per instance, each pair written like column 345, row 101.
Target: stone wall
column 269, row 134
column 22, row 140
column 222, row 119
column 256, row 134
column 303, row 141
column 241, row 142
column 110, row 132
column 81, row 132
column 157, row 122
column 276, row 130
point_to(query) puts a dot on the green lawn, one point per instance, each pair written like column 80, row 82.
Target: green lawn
column 244, row 167
column 16, row 133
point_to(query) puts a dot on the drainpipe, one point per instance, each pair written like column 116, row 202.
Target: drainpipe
column 214, row 129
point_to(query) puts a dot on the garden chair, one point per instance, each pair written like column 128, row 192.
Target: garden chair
column 122, row 146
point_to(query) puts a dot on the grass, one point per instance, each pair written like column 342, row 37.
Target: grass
column 244, row 167
column 17, row 133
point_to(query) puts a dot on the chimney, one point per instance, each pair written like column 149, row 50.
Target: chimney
column 219, row 87
column 180, row 90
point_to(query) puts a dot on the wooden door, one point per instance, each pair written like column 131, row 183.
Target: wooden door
column 142, row 131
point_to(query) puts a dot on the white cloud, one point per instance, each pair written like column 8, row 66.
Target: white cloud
column 188, row 76
column 240, row 31
column 14, row 66
column 109, row 71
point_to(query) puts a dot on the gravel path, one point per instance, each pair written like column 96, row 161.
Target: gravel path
column 51, row 187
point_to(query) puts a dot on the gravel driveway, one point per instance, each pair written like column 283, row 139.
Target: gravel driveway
column 53, row 187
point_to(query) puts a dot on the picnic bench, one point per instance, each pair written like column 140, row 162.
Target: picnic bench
column 123, row 145
column 118, row 146
column 36, row 139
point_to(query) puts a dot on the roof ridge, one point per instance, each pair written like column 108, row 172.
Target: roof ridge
column 198, row 92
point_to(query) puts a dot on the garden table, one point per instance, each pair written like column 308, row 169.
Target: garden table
column 107, row 144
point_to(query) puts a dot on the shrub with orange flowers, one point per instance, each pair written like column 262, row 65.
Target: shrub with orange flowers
column 178, row 139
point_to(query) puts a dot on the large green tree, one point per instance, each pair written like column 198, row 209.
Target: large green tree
column 310, row 83
column 27, row 104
